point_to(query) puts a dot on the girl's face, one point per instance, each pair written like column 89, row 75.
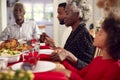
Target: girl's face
column 100, row 39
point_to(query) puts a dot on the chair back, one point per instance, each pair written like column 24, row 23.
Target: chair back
column 97, row 52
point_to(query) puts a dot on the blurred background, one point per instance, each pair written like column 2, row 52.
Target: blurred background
column 44, row 12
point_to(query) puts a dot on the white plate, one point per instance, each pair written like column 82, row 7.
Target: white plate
column 45, row 51
column 42, row 66
column 42, row 44
column 21, row 41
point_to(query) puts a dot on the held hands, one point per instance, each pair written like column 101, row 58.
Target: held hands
column 59, row 54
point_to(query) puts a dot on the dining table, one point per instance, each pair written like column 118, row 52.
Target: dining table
column 52, row 74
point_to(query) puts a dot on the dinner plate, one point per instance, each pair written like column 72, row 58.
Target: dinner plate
column 42, row 44
column 21, row 41
column 42, row 66
column 11, row 58
column 45, row 51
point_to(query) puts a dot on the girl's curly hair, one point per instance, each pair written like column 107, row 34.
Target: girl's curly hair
column 111, row 25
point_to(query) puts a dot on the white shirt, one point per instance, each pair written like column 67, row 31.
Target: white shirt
column 65, row 35
column 27, row 31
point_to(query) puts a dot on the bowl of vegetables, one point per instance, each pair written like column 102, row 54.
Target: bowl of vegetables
column 12, row 55
column 20, row 74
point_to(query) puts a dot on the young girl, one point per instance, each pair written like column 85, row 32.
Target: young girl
column 106, row 67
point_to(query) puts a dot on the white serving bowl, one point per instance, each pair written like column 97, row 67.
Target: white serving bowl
column 3, row 63
column 12, row 58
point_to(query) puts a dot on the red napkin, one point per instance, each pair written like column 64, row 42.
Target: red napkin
column 32, row 57
column 38, row 56
column 44, row 57
column 44, row 47
column 30, row 54
column 68, row 66
column 33, row 40
column 50, row 76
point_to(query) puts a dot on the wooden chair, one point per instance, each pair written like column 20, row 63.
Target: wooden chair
column 42, row 28
column 97, row 52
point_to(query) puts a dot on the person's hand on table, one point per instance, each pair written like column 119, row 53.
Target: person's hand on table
column 59, row 54
column 49, row 41
column 44, row 38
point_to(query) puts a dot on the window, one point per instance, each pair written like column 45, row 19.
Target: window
column 40, row 12
column 28, row 11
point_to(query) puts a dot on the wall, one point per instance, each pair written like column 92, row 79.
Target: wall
column 3, row 18
column 55, row 23
column 61, row 27
column 98, row 13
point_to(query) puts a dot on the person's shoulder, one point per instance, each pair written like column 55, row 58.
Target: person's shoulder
column 11, row 25
column 117, row 64
column 82, row 26
column 98, row 58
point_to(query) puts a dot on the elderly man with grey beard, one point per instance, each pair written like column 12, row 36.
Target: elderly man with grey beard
column 21, row 29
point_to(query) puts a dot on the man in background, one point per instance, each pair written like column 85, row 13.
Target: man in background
column 61, row 15
column 21, row 29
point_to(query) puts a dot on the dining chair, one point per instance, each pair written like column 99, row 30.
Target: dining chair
column 97, row 52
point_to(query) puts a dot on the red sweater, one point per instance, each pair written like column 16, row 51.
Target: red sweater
column 99, row 69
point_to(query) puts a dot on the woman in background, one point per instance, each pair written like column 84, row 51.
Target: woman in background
column 78, row 49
